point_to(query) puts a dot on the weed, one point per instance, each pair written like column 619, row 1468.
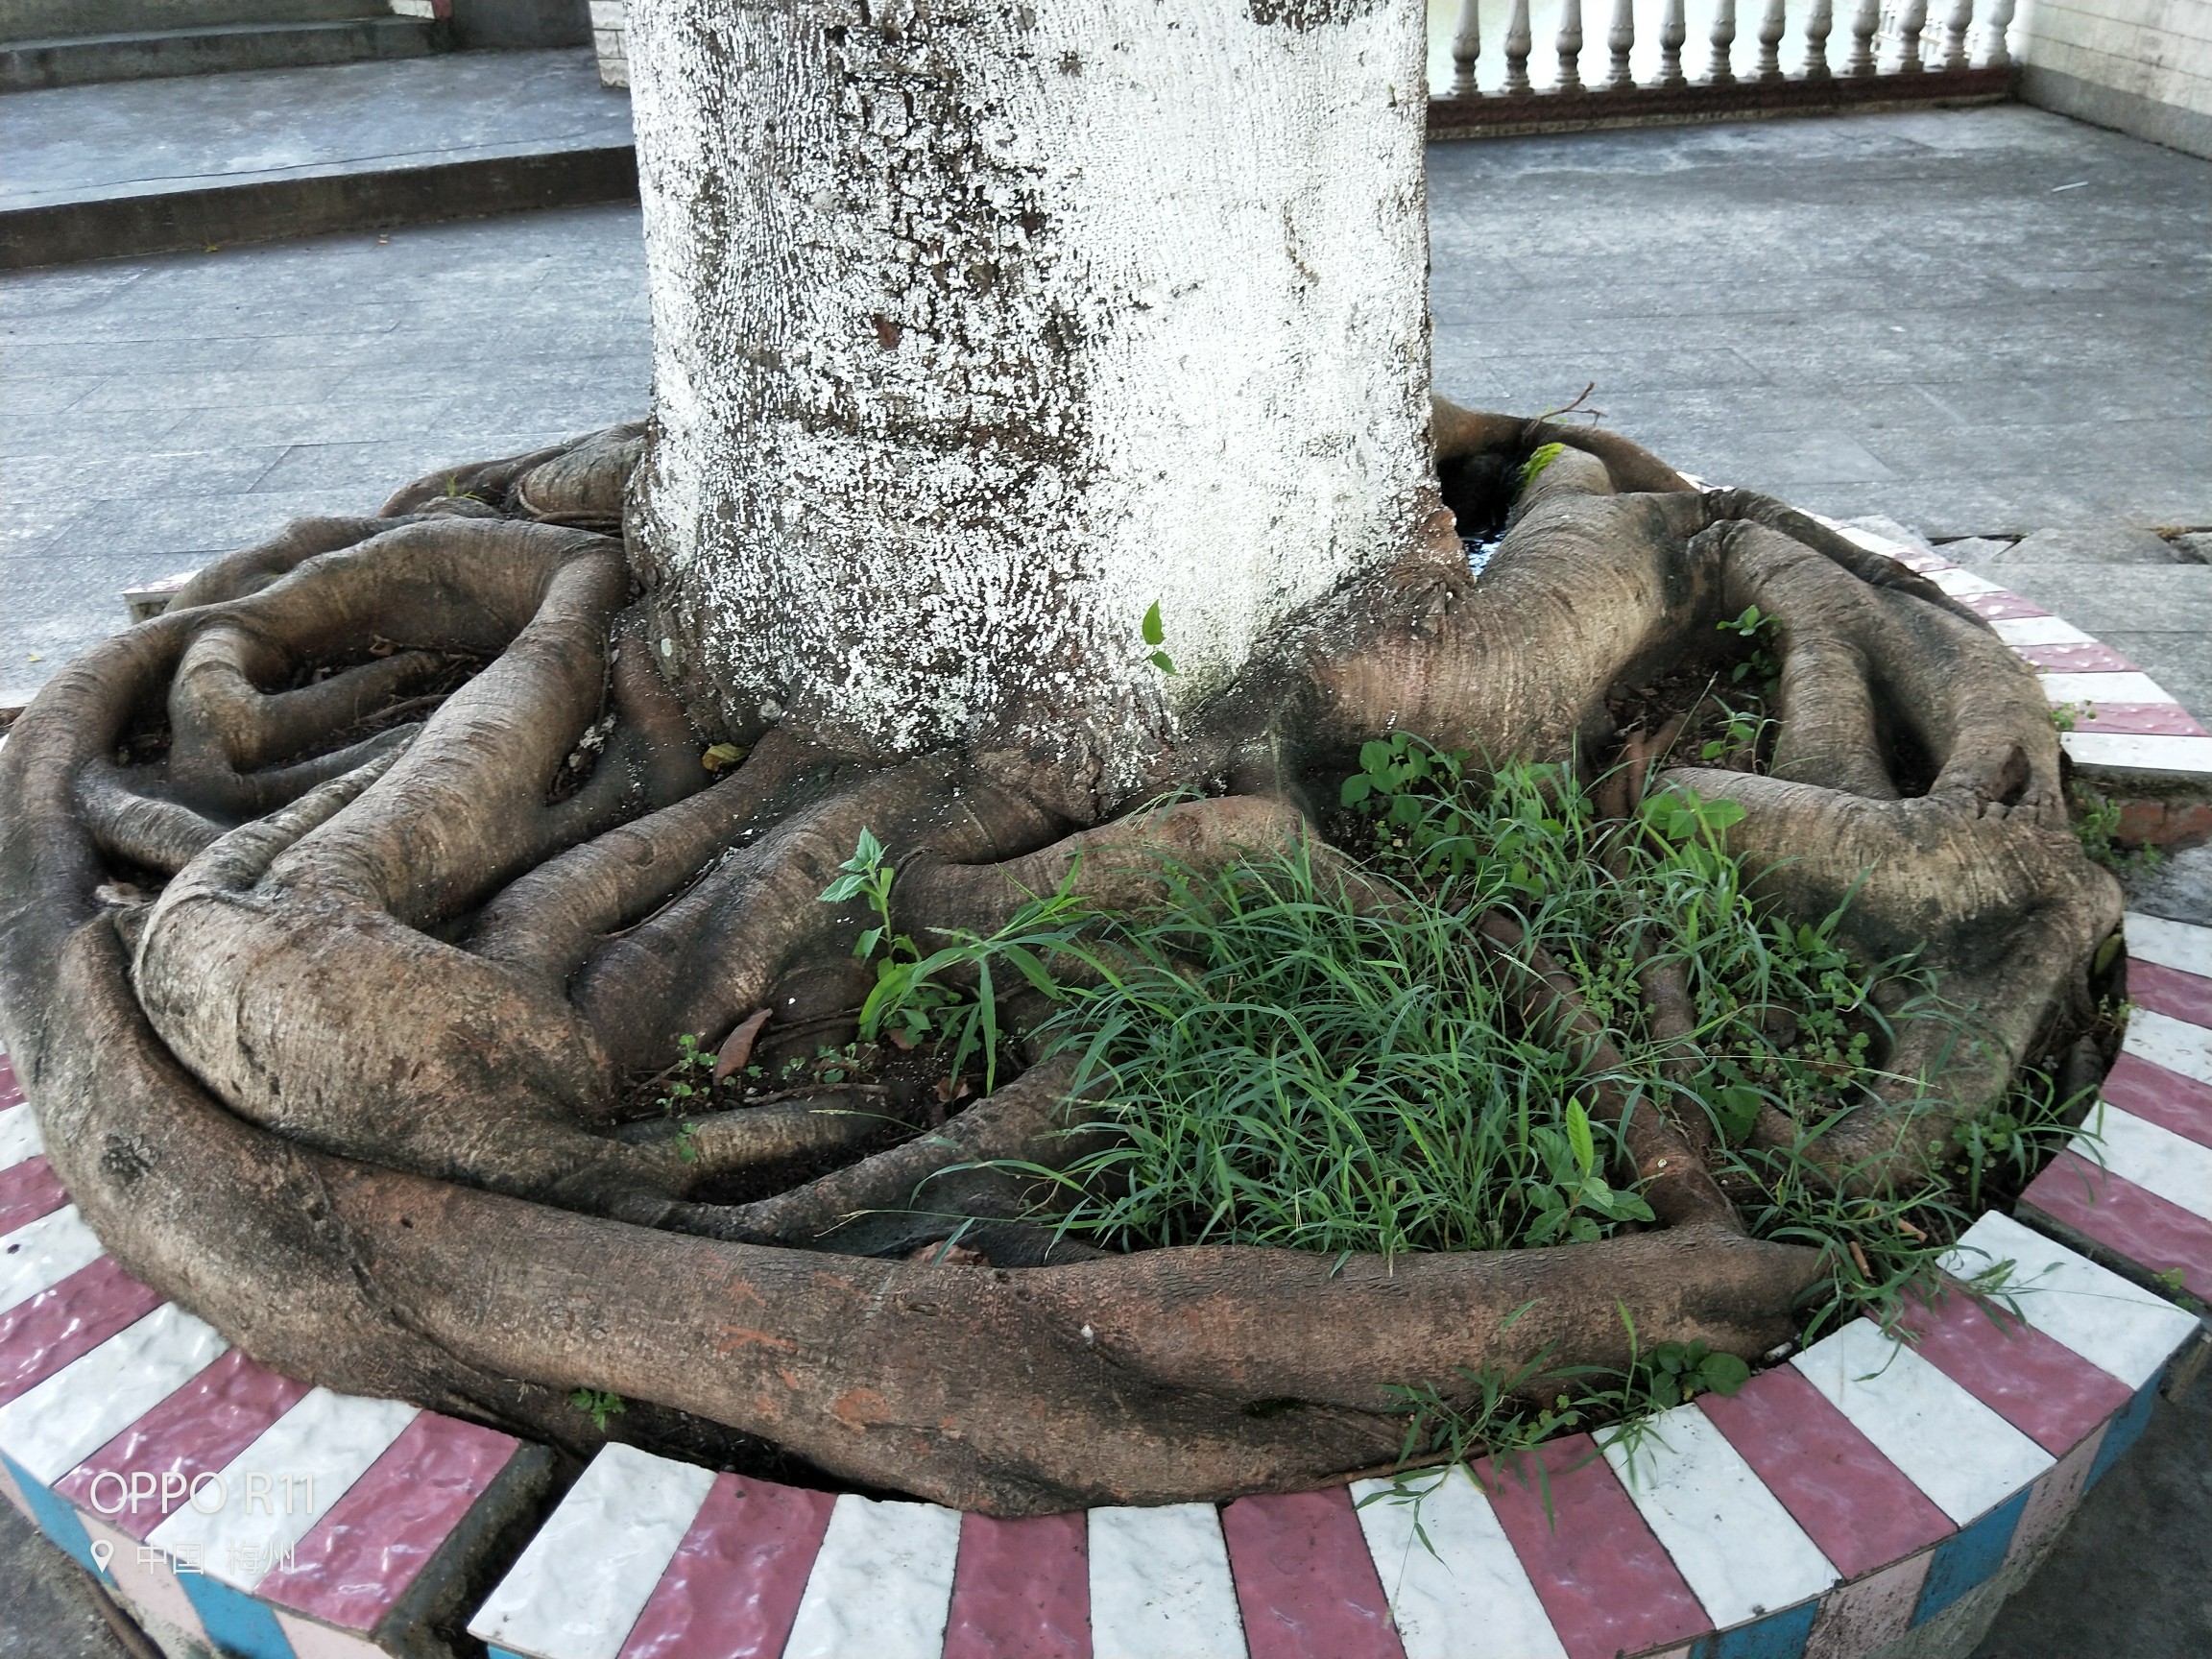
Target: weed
column 2095, row 824
column 1156, row 635
column 598, row 1404
column 1540, row 458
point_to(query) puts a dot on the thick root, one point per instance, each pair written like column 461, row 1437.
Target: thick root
column 430, row 1188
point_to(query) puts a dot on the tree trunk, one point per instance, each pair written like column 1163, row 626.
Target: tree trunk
column 982, row 327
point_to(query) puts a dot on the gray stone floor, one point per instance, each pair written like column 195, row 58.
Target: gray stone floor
column 159, row 410
column 1890, row 314
column 1909, row 315
column 127, row 136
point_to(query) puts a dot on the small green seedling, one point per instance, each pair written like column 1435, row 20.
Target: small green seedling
column 1156, row 635
column 598, row 1404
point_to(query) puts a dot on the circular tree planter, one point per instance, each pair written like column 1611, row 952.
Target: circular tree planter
column 1864, row 1498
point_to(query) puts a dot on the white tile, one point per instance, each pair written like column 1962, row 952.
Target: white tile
column 1735, row 1544
column 2171, row 1043
column 2020, row 630
column 19, row 1136
column 41, row 1254
column 2120, row 686
column 1867, row 540
column 309, row 1457
column 1471, row 1597
column 312, row 1641
column 2179, row 1170
column 56, row 1426
column 1962, row 1455
column 1160, row 1585
column 881, row 1585
column 2119, row 1326
column 2169, row 944
column 581, row 1584
column 1965, row 584
column 2129, row 752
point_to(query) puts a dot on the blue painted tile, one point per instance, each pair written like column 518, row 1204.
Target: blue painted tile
column 56, row 1518
column 235, row 1623
column 1777, row 1636
column 1969, row 1559
column 2127, row 1428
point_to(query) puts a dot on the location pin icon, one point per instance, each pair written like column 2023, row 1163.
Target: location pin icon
column 103, row 1552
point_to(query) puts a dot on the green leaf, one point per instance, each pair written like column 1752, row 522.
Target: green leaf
column 1737, row 1107
column 1154, row 633
column 1724, row 1373
column 1358, row 786
column 1578, row 1136
column 865, row 945
column 1375, row 756
column 843, row 888
column 1163, row 662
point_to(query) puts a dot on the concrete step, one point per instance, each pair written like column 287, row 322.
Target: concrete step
column 31, row 66
column 137, row 167
column 73, row 19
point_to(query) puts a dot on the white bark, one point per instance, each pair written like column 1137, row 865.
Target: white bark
column 979, row 326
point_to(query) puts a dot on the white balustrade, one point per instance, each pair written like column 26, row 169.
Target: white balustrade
column 1467, row 47
column 1879, row 39
column 1719, row 72
column 1672, row 34
column 1620, row 41
column 1817, row 23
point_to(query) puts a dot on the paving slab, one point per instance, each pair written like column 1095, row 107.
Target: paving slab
column 74, row 142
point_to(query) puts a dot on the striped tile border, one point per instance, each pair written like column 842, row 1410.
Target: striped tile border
column 227, row 1507
column 2122, row 721
column 1833, row 1505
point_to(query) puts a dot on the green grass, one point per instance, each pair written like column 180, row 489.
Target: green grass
column 1289, row 1069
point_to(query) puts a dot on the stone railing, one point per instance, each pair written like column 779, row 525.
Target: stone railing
column 1635, row 61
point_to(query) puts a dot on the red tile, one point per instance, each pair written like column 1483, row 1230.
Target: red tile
column 732, row 1587
column 10, row 1091
column 2146, row 719
column 1856, row 1504
column 1305, row 1580
column 2085, row 656
column 199, row 1428
column 2035, row 1383
column 39, row 1337
column 2148, row 1229
column 1021, row 1589
column 1606, row 1583
column 2165, row 990
column 28, row 1191
column 2164, row 1098
column 361, row 1556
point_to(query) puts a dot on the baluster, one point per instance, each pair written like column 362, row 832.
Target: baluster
column 1621, row 40
column 2000, row 25
column 1771, row 27
column 1719, row 72
column 1571, row 46
column 1673, row 32
column 1517, row 48
column 1816, row 27
column 1863, row 23
column 1466, row 48
column 1954, row 30
column 1910, row 27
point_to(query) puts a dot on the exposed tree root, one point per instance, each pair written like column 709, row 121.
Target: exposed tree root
column 355, row 1085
